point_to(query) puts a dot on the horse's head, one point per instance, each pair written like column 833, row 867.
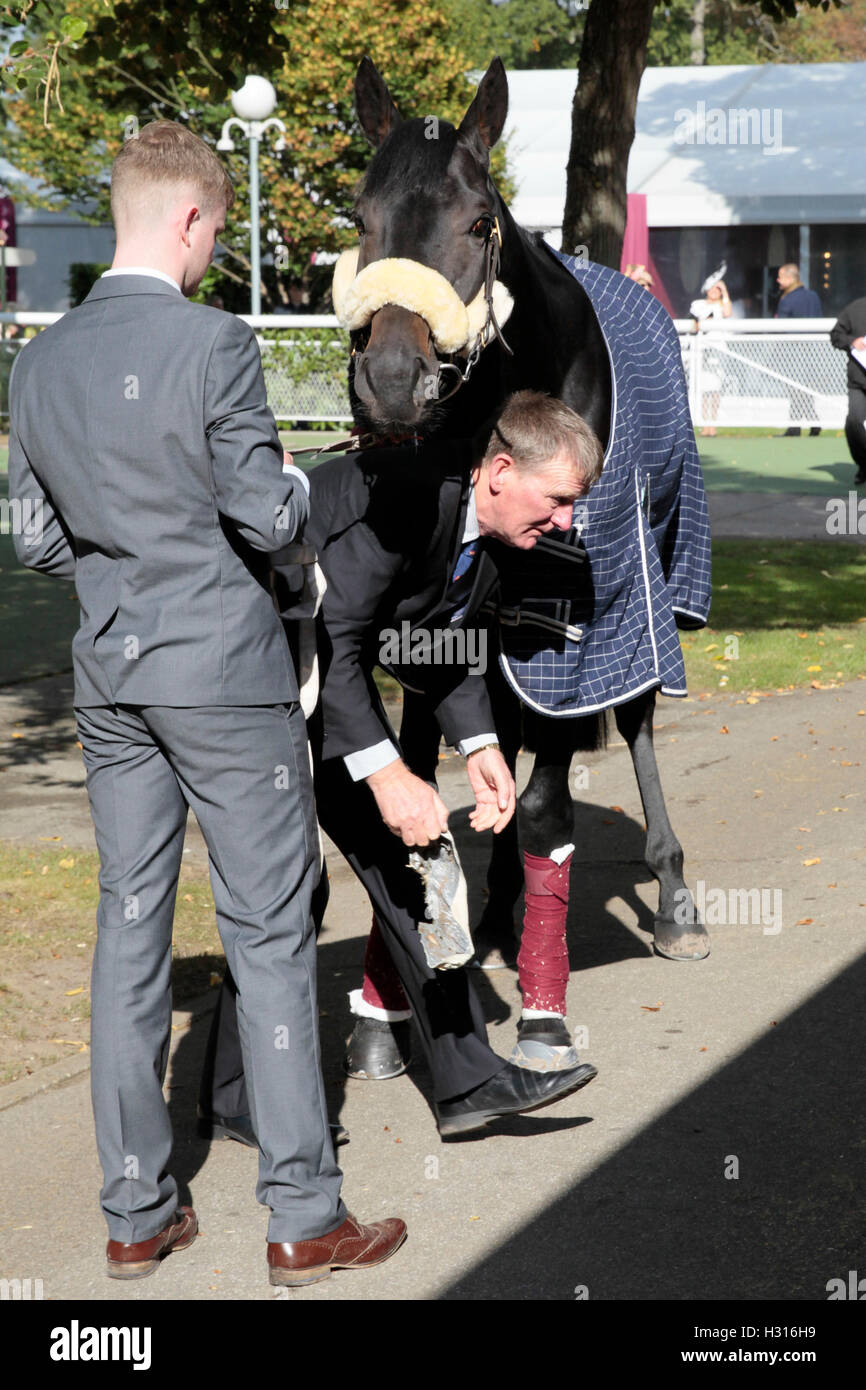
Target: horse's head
column 416, row 293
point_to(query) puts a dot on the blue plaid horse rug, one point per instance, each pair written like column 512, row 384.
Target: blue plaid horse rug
column 590, row 619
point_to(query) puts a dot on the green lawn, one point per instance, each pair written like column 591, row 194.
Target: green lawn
column 785, row 613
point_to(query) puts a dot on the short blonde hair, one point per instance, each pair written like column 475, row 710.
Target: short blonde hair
column 165, row 154
column 533, row 427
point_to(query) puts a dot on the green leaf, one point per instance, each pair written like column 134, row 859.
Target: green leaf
column 20, row 46
column 73, row 27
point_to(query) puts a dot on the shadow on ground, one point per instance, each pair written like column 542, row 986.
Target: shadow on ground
column 661, row 1220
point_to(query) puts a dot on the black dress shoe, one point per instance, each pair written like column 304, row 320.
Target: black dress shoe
column 510, row 1091
column 378, row 1050
column 860, row 477
column 240, row 1127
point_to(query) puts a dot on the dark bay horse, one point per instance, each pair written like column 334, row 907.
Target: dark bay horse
column 428, row 198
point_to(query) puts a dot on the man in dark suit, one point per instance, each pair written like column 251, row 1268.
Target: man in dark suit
column 848, row 334
column 390, row 527
column 140, row 433
column 796, row 302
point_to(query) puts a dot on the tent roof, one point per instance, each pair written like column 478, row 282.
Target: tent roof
column 811, row 121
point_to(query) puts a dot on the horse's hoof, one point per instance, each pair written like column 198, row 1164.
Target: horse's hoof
column 544, row 1044
column 377, row 1050
column 492, row 953
column 680, row 940
column 494, row 941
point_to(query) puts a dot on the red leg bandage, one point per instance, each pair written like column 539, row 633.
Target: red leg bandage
column 382, row 986
column 542, row 964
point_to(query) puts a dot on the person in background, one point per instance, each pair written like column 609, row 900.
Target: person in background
column 796, row 302
column 641, row 275
column 848, row 334
column 715, row 304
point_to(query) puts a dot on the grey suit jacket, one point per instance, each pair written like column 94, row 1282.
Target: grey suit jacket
column 140, row 427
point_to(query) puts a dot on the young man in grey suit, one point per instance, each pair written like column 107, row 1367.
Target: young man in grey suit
column 141, row 438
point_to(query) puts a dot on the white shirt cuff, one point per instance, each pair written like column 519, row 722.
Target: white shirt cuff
column 469, row 745
column 369, row 760
column 298, row 473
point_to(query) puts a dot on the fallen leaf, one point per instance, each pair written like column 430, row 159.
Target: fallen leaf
column 652, row 1008
column 79, row 990
column 724, row 729
column 804, row 922
column 49, row 837
column 187, row 897
column 813, row 668
column 67, row 863
column 807, row 863
column 702, row 1049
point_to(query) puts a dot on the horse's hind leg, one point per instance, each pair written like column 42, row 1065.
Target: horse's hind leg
column 679, row 935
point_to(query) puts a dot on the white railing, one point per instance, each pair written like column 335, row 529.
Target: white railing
column 771, row 372
column 740, row 372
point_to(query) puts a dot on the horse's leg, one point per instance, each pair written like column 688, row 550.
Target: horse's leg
column 546, row 825
column 494, row 936
column 679, row 935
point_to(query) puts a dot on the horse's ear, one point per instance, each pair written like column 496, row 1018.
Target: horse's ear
column 376, row 110
column 483, row 122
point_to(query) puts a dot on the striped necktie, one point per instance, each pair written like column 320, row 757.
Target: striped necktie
column 464, row 563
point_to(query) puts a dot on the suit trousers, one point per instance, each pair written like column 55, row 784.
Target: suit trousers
column 245, row 772
column 855, row 425
column 446, row 1008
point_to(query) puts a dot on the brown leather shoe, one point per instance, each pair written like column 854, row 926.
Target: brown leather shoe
column 141, row 1258
column 350, row 1246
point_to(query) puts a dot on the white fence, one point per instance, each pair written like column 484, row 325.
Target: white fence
column 740, row 372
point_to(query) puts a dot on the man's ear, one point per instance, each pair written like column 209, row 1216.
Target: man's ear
column 191, row 214
column 497, row 471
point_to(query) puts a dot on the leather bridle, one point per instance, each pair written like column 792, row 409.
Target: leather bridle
column 492, row 250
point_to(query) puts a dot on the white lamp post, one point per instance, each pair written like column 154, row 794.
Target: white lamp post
column 253, row 105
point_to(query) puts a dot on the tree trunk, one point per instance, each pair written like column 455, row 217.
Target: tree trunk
column 612, row 60
column 699, row 53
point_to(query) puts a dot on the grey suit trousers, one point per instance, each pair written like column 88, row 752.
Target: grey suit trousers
column 245, row 772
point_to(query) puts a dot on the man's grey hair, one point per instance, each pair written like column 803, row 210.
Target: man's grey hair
column 533, row 427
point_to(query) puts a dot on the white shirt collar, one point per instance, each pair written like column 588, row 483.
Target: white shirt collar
column 142, row 270
column 471, row 530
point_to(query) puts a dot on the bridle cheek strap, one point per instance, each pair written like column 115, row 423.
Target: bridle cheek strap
column 455, row 326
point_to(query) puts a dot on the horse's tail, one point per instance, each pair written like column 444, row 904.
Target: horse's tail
column 589, row 732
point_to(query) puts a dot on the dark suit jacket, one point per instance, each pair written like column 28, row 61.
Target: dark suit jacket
column 140, row 424
column 851, row 324
column 387, row 525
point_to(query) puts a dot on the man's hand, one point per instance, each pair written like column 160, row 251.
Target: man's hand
column 410, row 807
column 288, row 460
column 494, row 790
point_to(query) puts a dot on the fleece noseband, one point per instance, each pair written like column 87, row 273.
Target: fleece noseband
column 457, row 328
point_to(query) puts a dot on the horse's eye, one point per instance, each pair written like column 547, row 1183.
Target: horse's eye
column 359, row 224
column 481, row 227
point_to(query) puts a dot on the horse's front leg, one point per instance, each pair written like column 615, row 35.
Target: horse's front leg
column 678, row 934
column 546, row 825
